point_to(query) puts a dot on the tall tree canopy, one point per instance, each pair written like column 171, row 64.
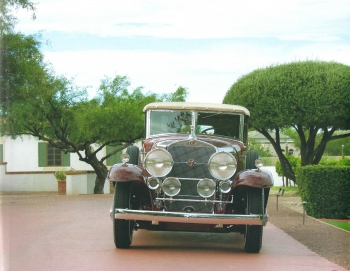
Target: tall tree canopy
column 21, row 62
column 313, row 97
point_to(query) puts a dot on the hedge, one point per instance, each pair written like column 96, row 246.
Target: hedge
column 326, row 189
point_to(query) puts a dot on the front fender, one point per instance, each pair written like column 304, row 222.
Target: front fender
column 125, row 173
column 254, row 178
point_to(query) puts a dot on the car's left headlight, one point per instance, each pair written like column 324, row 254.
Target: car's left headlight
column 158, row 162
column 222, row 165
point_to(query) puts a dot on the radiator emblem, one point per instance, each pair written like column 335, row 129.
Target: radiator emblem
column 191, row 163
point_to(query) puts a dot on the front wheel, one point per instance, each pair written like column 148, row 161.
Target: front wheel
column 122, row 229
column 253, row 234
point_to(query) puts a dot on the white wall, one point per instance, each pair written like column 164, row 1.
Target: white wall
column 21, row 154
column 45, row 182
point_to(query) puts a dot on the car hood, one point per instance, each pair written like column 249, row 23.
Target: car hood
column 222, row 144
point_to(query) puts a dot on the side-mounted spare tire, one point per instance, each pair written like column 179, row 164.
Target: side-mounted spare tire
column 250, row 159
column 133, row 152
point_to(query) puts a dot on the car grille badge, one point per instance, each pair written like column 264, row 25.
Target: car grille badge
column 191, row 163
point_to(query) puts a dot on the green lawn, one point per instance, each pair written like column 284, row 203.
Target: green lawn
column 342, row 225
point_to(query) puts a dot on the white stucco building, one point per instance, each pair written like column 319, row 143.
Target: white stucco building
column 27, row 164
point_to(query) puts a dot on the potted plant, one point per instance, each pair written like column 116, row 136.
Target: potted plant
column 61, row 181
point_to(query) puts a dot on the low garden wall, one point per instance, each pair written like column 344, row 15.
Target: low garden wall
column 80, row 182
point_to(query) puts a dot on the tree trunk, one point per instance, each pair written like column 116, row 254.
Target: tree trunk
column 286, row 167
column 101, row 173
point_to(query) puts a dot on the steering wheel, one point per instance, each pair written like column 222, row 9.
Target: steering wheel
column 222, row 132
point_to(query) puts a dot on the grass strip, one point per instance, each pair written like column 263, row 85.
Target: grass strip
column 342, row 225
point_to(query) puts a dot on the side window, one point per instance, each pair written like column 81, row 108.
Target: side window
column 50, row 156
column 115, row 158
column 1, row 153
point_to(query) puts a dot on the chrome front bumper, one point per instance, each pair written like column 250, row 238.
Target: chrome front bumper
column 197, row 218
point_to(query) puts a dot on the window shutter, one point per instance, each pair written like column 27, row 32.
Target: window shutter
column 42, row 153
column 114, row 159
column 1, row 153
column 66, row 159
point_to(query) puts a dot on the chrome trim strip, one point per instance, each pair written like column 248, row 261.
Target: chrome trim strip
column 198, row 218
column 195, row 200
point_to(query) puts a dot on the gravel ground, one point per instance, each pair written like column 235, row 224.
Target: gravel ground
column 326, row 240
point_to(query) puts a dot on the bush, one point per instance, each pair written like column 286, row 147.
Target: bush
column 254, row 145
column 60, row 175
column 326, row 189
column 344, row 162
column 295, row 162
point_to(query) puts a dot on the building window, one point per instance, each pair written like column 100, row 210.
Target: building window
column 54, row 156
column 114, row 159
column 50, row 156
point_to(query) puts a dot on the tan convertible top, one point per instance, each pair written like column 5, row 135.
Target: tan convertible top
column 197, row 107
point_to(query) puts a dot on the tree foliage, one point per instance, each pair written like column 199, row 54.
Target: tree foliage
column 58, row 112
column 20, row 56
column 313, row 97
column 254, row 145
column 7, row 20
column 22, row 67
column 335, row 147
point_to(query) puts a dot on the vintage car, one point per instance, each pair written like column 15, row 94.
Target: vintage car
column 193, row 173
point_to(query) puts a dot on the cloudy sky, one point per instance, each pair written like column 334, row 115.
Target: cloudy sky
column 203, row 45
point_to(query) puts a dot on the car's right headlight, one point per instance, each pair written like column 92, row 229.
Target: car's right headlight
column 222, row 165
column 158, row 162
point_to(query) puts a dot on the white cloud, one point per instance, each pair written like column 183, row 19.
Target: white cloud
column 263, row 32
column 304, row 20
column 207, row 73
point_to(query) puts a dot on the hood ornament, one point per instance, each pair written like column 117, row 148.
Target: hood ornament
column 192, row 135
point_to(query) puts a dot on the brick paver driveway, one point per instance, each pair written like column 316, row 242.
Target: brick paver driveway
column 53, row 232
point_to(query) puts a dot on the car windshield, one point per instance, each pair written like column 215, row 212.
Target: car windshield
column 212, row 123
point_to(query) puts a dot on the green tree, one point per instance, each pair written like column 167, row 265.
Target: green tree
column 20, row 56
column 313, row 97
column 257, row 146
column 22, row 67
column 335, row 147
column 7, row 20
column 61, row 114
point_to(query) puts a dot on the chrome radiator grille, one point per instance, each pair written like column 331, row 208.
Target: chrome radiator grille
column 191, row 162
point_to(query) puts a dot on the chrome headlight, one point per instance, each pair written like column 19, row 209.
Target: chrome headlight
column 171, row 186
column 153, row 183
column 206, row 188
column 222, row 165
column 225, row 186
column 158, row 162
